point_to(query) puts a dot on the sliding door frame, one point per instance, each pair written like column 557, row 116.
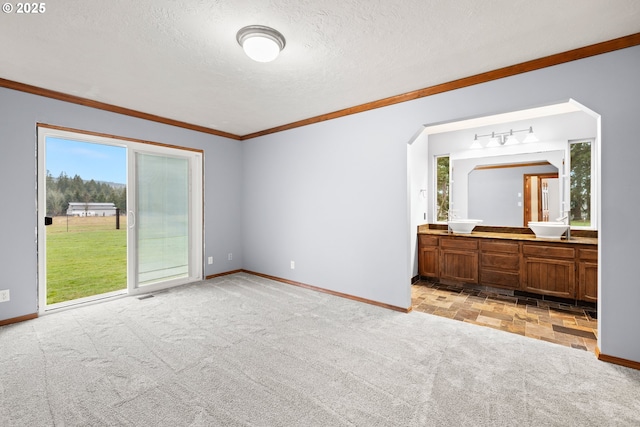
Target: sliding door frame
column 196, row 207
column 195, row 217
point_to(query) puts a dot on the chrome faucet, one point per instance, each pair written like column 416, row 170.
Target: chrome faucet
column 451, row 215
column 563, row 219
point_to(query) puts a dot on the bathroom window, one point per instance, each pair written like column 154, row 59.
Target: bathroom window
column 581, row 183
column 442, row 188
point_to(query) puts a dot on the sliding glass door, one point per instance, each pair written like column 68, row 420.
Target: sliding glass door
column 163, row 217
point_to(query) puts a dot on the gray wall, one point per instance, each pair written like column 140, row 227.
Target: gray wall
column 333, row 196
column 19, row 113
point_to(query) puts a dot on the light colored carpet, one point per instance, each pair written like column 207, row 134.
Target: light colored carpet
column 245, row 351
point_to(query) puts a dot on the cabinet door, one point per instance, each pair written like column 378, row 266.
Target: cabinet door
column 428, row 262
column 428, row 259
column 588, row 281
column 457, row 265
column 555, row 277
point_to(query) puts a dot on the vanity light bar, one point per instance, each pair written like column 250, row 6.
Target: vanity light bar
column 504, row 138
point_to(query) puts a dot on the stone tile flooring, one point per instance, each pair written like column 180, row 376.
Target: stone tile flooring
column 560, row 323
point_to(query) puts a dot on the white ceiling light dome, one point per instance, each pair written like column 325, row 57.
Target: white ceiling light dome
column 260, row 43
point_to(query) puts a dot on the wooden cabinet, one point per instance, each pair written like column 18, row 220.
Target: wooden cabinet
column 560, row 269
column 549, row 270
column 588, row 275
column 459, row 259
column 550, row 277
column 500, row 263
column 428, row 256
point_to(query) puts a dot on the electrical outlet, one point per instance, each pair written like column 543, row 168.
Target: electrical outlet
column 210, row 260
column 230, row 256
column 5, row 296
column 293, row 265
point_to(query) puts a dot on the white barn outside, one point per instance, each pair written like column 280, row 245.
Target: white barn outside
column 91, row 209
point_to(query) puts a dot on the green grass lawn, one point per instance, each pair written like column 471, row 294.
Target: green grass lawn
column 576, row 223
column 88, row 259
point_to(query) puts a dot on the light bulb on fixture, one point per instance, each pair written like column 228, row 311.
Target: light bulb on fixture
column 476, row 144
column 531, row 137
column 495, row 140
column 511, row 139
column 260, row 43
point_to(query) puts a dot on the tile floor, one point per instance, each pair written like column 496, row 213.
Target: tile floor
column 560, row 323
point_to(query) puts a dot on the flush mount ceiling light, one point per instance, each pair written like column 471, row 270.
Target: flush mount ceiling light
column 260, row 43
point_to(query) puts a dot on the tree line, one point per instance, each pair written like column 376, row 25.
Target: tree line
column 581, row 181
column 63, row 189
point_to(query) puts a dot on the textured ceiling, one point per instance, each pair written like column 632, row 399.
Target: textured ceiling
column 179, row 59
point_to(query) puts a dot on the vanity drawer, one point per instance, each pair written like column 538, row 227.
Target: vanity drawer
column 500, row 278
column 459, row 243
column 428, row 240
column 588, row 254
column 509, row 262
column 499, row 246
column 548, row 251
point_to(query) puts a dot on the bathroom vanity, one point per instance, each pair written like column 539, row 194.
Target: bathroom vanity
column 511, row 258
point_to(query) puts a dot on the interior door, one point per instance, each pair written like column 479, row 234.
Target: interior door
column 537, row 201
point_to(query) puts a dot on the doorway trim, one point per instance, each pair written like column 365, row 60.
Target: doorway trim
column 528, row 177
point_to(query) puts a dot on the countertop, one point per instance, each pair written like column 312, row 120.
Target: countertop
column 424, row 229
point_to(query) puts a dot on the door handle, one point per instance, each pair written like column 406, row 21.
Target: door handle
column 132, row 222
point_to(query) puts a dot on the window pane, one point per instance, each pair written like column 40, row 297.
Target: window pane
column 163, row 217
column 86, row 248
column 581, row 183
column 442, row 188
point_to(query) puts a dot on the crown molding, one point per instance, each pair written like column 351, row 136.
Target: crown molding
column 512, row 70
column 35, row 90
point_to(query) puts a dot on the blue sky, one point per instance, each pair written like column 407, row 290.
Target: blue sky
column 91, row 161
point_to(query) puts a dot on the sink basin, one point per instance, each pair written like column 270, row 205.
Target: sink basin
column 548, row 229
column 463, row 226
